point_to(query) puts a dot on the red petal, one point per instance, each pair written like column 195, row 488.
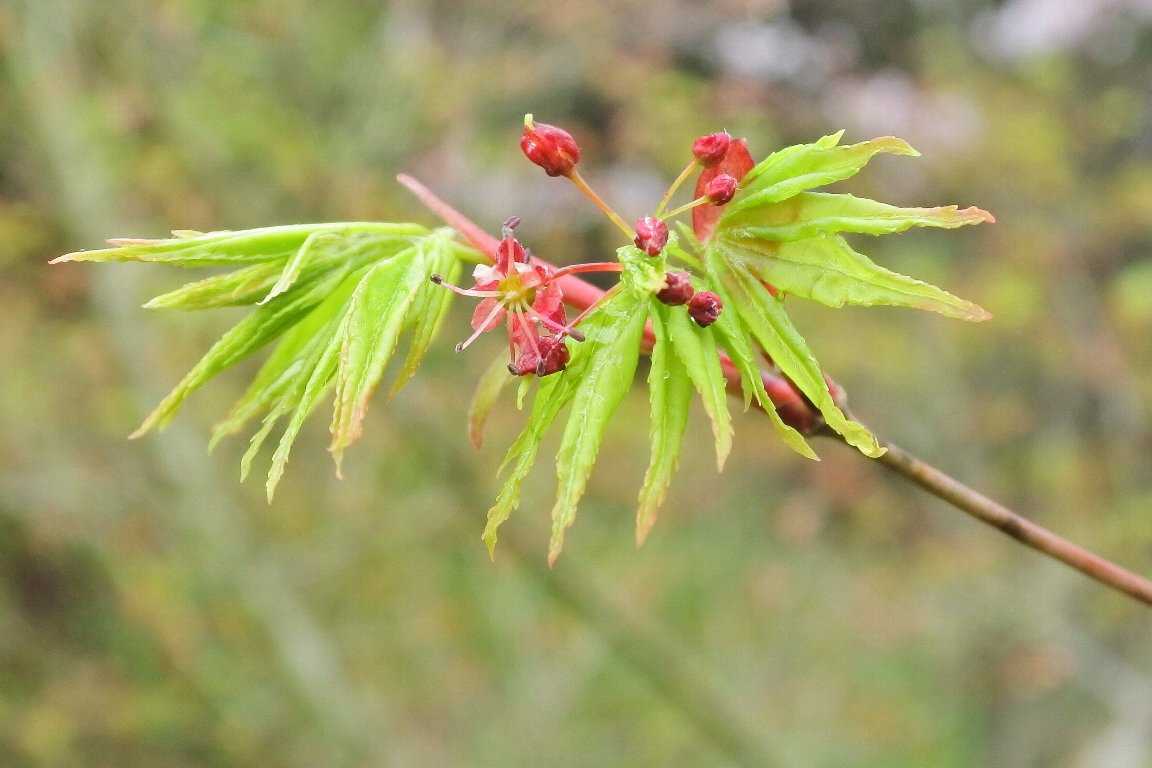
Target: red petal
column 483, row 309
column 736, row 163
column 549, row 303
column 519, row 329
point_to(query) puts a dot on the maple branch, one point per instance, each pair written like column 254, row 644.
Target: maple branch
column 1021, row 529
column 795, row 411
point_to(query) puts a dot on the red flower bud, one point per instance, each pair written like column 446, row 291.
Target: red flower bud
column 704, row 308
column 677, row 289
column 710, row 150
column 720, row 189
column 651, row 235
column 551, row 148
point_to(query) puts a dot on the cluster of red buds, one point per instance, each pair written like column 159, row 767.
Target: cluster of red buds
column 703, row 306
column 525, row 295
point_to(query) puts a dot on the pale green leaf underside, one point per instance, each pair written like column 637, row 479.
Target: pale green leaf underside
column 339, row 297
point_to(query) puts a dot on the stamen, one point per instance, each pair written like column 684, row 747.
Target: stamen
column 439, row 280
column 480, row 328
column 684, row 174
column 552, row 325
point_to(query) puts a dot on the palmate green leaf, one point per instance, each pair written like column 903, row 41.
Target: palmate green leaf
column 763, row 316
column 393, row 297
column 669, row 394
column 610, row 349
column 263, row 325
column 338, row 296
column 595, row 380
column 806, row 166
column 262, row 255
column 283, row 375
column 236, row 248
column 827, row 269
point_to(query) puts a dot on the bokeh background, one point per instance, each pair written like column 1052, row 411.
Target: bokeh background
column 156, row 612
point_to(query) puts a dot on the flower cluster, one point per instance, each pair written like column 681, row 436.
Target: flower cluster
column 525, row 295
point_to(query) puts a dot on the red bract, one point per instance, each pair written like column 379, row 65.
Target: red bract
column 736, row 163
column 710, row 150
column 651, row 235
column 551, row 148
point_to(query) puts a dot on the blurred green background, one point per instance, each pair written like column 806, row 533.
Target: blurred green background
column 155, row 612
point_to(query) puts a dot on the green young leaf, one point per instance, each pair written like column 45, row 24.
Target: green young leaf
column 805, row 166
column 237, row 248
column 813, row 214
column 670, row 394
column 377, row 314
column 492, row 382
column 696, row 349
column 552, row 394
column 339, row 295
column 263, row 325
column 828, row 270
column 763, row 315
column 441, row 256
column 733, row 336
column 286, row 371
column 256, row 283
column 609, row 354
column 317, row 386
column 240, row 287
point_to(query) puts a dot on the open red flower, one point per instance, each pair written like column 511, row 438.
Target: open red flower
column 526, row 298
